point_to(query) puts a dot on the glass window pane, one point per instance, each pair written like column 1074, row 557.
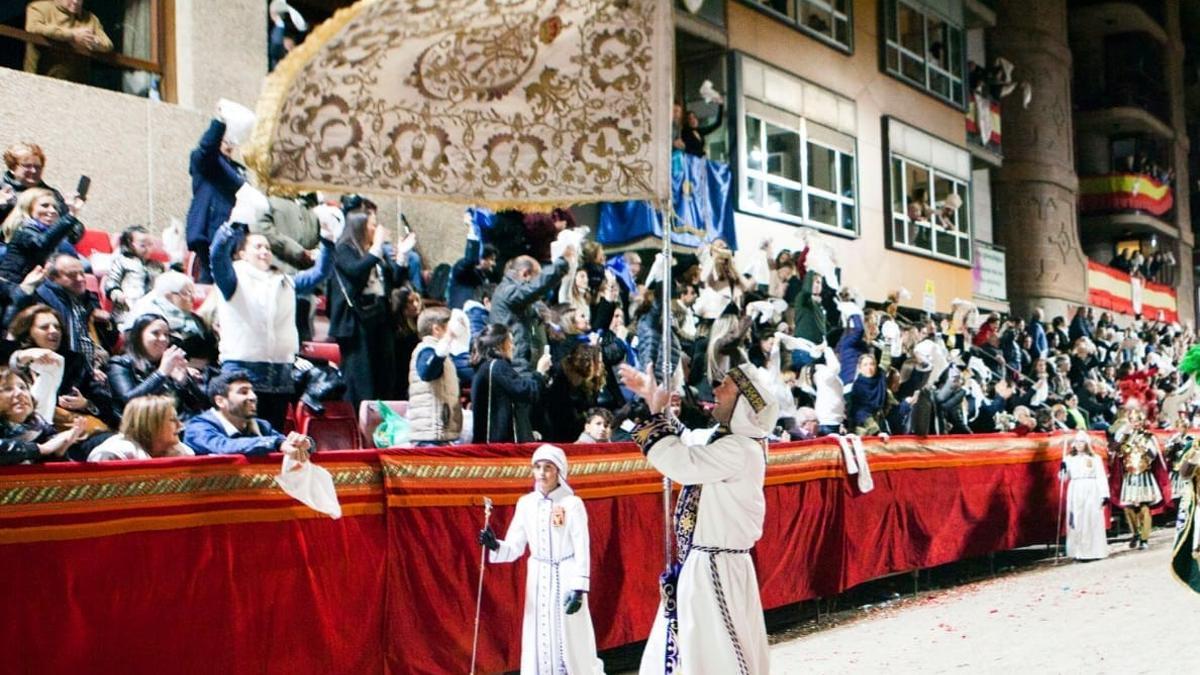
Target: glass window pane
column 784, row 200
column 780, row 6
column 898, row 188
column 842, row 31
column 841, row 6
column 899, row 231
column 822, row 168
column 964, row 211
column 817, row 20
column 912, row 69
column 783, row 152
column 939, row 84
column 755, row 155
column 822, row 210
column 955, row 47
column 920, row 235
column 755, row 190
column 847, row 175
column 848, row 217
column 939, row 52
column 917, row 179
column 947, row 244
column 893, row 59
column 911, row 28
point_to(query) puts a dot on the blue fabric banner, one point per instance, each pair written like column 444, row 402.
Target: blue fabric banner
column 700, row 194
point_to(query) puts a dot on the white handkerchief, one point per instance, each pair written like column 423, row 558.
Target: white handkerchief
column 311, row 485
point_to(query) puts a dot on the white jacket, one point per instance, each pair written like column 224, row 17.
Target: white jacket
column 259, row 322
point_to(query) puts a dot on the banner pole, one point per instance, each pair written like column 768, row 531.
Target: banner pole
column 665, row 353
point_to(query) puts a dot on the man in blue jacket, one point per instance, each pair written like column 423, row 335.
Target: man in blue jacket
column 231, row 428
column 216, row 178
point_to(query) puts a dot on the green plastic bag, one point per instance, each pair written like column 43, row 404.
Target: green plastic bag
column 393, row 431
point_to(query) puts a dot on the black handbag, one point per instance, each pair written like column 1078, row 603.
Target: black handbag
column 372, row 313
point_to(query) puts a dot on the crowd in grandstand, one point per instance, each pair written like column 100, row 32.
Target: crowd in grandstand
column 520, row 339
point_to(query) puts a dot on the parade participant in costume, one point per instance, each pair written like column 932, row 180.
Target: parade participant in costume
column 711, row 619
column 1086, row 496
column 1185, row 557
column 1177, row 447
column 1134, row 467
column 556, row 633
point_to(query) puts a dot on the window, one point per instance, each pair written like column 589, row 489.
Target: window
column 925, row 49
column 924, row 217
column 137, row 31
column 828, row 20
column 796, row 150
column 800, row 172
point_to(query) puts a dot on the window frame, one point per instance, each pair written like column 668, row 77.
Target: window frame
column 162, row 49
column 793, row 14
column 963, row 188
column 890, row 18
column 746, row 200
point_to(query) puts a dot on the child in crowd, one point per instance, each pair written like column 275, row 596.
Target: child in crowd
column 132, row 273
column 598, row 428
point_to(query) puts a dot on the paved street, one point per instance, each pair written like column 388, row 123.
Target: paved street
column 1125, row 614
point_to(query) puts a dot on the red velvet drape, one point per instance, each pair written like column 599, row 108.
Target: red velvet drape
column 254, row 585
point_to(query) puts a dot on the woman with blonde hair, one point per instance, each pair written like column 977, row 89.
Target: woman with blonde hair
column 34, row 229
column 149, row 429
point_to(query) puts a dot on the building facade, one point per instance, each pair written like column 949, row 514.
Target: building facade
column 1004, row 151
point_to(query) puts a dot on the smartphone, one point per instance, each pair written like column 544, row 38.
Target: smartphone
column 405, row 228
column 85, row 183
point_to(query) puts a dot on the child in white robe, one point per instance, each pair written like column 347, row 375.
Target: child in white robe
column 1086, row 495
column 556, row 633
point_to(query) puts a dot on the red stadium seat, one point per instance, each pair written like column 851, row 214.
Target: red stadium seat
column 325, row 351
column 159, row 254
column 335, row 429
column 368, row 417
column 94, row 241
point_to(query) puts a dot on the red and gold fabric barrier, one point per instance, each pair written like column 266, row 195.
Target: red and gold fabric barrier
column 1112, row 289
column 202, row 565
column 1124, row 192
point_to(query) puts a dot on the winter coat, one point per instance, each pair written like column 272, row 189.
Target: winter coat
column 32, row 244
column 215, row 182
column 292, row 229
column 513, row 305
column 497, row 387
column 809, row 314
column 130, row 379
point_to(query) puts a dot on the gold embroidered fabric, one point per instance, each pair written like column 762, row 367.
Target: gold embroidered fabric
column 492, row 102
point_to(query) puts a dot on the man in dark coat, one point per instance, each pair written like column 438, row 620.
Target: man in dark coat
column 216, row 178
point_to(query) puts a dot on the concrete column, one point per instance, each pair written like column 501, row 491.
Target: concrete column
column 1185, row 288
column 1035, row 190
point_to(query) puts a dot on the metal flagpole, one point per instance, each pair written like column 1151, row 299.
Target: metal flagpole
column 668, row 215
column 487, row 515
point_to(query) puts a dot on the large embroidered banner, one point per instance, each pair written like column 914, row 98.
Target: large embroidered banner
column 496, row 102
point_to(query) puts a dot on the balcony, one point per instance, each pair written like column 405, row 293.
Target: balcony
column 1123, row 193
column 983, row 129
column 1114, row 290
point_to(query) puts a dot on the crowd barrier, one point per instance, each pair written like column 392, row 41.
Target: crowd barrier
column 203, row 565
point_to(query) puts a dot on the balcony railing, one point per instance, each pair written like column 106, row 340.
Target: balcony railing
column 1124, row 192
column 983, row 123
column 1112, row 289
